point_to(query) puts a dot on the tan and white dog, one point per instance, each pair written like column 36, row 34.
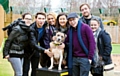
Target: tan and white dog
column 57, row 48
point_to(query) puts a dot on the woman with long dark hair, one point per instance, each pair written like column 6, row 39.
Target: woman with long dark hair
column 61, row 23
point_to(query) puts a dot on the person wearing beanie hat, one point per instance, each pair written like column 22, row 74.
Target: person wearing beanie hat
column 81, row 46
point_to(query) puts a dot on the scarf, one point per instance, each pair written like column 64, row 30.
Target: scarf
column 63, row 29
column 70, row 60
column 96, row 55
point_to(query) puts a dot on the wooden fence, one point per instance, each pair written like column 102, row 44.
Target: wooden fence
column 114, row 32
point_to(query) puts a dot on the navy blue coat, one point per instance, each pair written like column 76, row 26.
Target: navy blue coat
column 50, row 31
column 104, row 46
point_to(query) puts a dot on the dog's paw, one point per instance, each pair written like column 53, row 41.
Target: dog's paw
column 50, row 67
column 40, row 66
column 59, row 68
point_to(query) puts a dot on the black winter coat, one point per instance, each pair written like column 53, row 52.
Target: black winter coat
column 16, row 41
column 33, row 39
column 104, row 46
column 50, row 31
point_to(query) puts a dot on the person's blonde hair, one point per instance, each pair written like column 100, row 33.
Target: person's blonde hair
column 53, row 14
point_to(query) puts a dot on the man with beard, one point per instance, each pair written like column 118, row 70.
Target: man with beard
column 87, row 16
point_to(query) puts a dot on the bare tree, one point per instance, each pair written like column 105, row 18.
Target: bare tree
column 71, row 5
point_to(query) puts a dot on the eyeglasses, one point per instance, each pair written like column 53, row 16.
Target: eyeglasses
column 28, row 18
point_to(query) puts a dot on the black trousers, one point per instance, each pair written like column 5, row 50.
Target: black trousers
column 97, row 74
column 26, row 65
column 44, row 60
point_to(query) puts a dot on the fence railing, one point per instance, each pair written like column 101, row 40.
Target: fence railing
column 114, row 32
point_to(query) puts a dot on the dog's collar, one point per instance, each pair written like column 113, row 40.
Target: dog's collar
column 57, row 44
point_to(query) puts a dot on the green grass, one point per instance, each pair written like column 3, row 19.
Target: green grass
column 6, row 69
column 5, row 66
column 115, row 48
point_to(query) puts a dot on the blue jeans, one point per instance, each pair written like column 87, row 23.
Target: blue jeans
column 81, row 66
column 16, row 65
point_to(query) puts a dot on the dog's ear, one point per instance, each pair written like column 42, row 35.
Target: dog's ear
column 54, row 38
column 56, row 31
column 65, row 35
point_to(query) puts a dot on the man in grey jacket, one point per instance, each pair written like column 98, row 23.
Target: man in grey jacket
column 87, row 16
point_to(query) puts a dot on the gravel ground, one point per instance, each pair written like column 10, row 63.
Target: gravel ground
column 116, row 61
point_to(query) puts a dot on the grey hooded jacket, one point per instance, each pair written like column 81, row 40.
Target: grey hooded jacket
column 93, row 17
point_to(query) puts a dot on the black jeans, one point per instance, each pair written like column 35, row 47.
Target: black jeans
column 45, row 60
column 97, row 74
column 34, row 65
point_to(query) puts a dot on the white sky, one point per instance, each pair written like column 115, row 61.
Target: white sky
column 55, row 3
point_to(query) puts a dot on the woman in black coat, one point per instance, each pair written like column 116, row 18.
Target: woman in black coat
column 103, row 48
column 16, row 42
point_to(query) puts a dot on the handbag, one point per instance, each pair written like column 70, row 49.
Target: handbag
column 109, row 67
column 108, row 70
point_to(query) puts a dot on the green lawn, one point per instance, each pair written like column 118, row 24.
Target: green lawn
column 5, row 66
column 6, row 69
column 115, row 48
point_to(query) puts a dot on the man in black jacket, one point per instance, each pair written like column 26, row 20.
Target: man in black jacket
column 36, row 37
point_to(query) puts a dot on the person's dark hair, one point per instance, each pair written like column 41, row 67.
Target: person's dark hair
column 23, row 16
column 57, row 22
column 94, row 19
column 40, row 13
column 83, row 5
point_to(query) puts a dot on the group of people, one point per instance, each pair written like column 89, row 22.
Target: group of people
column 86, row 43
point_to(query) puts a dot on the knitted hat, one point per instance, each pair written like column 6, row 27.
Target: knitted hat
column 72, row 15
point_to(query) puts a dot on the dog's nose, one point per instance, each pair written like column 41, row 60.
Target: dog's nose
column 58, row 39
